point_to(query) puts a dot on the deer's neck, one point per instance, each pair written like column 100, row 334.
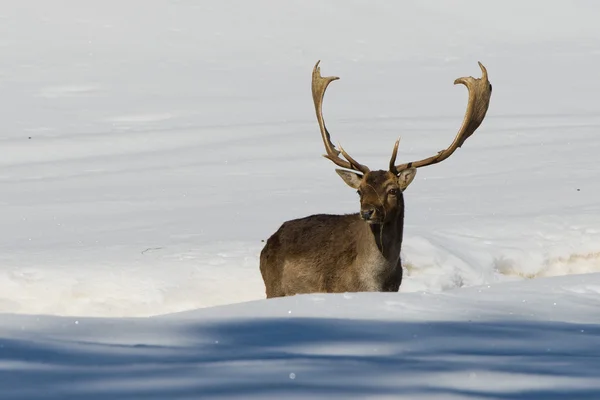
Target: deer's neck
column 388, row 237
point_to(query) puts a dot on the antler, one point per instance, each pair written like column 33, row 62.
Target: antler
column 480, row 91
column 319, row 85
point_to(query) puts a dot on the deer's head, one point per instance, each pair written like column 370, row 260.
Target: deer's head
column 381, row 191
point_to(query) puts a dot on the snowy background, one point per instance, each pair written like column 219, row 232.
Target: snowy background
column 148, row 147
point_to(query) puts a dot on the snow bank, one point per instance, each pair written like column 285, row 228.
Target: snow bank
column 520, row 340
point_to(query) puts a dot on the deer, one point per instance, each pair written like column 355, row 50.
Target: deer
column 359, row 252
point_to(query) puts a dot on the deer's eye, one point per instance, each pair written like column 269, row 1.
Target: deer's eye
column 393, row 192
column 359, row 192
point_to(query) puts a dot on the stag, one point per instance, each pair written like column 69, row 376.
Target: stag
column 357, row 252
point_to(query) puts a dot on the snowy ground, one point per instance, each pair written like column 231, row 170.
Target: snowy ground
column 505, row 341
column 148, row 147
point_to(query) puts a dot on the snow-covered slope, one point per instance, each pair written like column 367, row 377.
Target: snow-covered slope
column 147, row 148
column 505, row 341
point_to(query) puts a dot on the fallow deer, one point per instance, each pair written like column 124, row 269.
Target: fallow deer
column 356, row 252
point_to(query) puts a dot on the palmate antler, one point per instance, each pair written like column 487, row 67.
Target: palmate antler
column 319, row 85
column 480, row 91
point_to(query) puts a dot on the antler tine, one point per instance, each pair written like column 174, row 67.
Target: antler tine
column 480, row 91
column 319, row 86
column 393, row 169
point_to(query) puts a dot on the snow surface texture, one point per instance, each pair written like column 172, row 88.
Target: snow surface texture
column 147, row 148
column 504, row 341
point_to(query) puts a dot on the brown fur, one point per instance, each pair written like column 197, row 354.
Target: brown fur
column 341, row 253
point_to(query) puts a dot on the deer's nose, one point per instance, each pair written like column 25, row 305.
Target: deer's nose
column 367, row 213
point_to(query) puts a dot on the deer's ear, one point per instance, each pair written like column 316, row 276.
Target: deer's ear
column 352, row 179
column 406, row 177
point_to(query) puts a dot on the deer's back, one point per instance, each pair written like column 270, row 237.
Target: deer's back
column 313, row 254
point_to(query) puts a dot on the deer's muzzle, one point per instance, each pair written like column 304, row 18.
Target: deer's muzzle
column 367, row 214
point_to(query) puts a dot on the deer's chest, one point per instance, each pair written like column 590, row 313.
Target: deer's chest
column 373, row 271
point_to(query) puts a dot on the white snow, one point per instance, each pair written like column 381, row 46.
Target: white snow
column 148, row 147
column 505, row 341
